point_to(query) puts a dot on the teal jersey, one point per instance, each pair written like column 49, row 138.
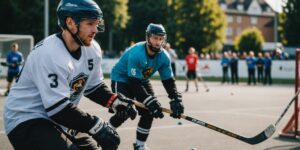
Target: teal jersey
column 136, row 63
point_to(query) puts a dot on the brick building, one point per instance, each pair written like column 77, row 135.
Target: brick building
column 242, row 14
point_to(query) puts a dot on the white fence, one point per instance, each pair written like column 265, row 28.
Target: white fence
column 212, row 68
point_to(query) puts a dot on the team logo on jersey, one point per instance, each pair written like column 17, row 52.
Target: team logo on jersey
column 77, row 85
column 133, row 71
column 147, row 73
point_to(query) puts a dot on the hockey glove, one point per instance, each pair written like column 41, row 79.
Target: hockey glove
column 176, row 106
column 123, row 108
column 105, row 136
column 153, row 107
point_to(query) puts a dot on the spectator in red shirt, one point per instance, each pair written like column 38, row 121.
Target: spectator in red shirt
column 191, row 61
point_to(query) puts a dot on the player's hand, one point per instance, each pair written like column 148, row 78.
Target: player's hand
column 154, row 107
column 176, row 106
column 123, row 107
column 105, row 136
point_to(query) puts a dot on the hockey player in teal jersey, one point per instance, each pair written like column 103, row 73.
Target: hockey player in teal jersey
column 131, row 77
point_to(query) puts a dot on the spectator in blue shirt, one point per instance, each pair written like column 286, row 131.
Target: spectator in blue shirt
column 268, row 66
column 14, row 59
column 225, row 64
column 260, row 67
column 234, row 62
column 251, row 62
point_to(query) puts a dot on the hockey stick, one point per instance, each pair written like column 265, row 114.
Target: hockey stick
column 268, row 132
column 288, row 106
column 202, row 80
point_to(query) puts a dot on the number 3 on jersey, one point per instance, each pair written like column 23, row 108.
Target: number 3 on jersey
column 54, row 82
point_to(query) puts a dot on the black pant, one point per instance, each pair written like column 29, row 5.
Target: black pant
column 268, row 77
column 173, row 69
column 260, row 74
column 42, row 134
column 234, row 76
column 225, row 75
column 251, row 76
column 146, row 119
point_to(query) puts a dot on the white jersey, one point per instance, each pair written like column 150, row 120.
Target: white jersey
column 51, row 79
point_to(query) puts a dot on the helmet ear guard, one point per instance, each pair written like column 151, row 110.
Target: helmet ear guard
column 156, row 29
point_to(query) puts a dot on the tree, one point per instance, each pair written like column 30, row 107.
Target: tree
column 250, row 39
column 199, row 23
column 116, row 19
column 289, row 23
column 142, row 13
column 18, row 18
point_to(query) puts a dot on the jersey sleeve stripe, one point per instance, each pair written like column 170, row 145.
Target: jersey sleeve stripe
column 57, row 107
column 91, row 90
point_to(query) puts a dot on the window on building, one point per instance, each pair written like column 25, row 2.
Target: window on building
column 229, row 31
column 239, row 19
column 238, row 30
column 240, row 7
column 229, row 19
column 253, row 20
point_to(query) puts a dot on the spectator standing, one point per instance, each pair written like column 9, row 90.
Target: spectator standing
column 225, row 65
column 251, row 60
column 268, row 66
column 173, row 57
column 234, row 62
column 260, row 67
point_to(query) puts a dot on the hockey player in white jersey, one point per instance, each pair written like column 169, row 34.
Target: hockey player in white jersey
column 58, row 72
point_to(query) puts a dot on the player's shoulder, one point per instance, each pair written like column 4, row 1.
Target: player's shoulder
column 94, row 49
column 51, row 49
column 137, row 49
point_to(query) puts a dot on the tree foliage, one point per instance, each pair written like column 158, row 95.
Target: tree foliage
column 142, row 13
column 250, row 39
column 18, row 17
column 199, row 23
column 289, row 23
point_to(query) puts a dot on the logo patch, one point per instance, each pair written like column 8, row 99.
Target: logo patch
column 77, row 85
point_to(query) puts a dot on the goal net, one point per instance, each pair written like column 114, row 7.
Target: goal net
column 291, row 129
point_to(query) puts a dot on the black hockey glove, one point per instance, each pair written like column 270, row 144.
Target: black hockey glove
column 153, row 107
column 123, row 107
column 176, row 106
column 105, row 136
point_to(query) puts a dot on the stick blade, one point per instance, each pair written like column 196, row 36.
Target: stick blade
column 268, row 132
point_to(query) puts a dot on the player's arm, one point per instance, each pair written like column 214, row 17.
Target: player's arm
column 54, row 90
column 103, row 96
column 135, row 81
column 168, row 81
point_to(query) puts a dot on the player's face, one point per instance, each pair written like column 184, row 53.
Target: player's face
column 88, row 30
column 156, row 40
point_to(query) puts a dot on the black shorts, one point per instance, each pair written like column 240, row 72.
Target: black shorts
column 126, row 90
column 191, row 74
column 11, row 75
column 42, row 134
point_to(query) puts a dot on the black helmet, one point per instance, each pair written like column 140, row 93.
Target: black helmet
column 156, row 29
column 79, row 9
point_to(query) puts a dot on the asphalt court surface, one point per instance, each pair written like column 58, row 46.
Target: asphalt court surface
column 241, row 109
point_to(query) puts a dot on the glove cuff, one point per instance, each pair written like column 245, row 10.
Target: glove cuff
column 111, row 100
column 148, row 100
column 97, row 127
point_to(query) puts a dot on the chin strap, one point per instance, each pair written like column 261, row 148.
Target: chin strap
column 75, row 36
